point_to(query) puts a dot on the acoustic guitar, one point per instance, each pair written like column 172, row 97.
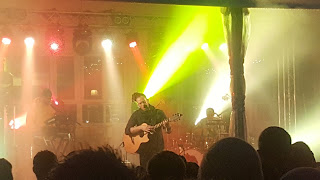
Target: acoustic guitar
column 132, row 143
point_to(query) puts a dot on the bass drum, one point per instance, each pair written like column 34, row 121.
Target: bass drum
column 193, row 155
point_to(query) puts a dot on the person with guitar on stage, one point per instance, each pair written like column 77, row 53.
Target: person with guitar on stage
column 147, row 114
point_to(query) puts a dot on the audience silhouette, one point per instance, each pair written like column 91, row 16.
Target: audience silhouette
column 304, row 173
column 302, row 156
column 43, row 162
column 103, row 163
column 141, row 173
column 231, row 159
column 192, row 170
column 5, row 170
column 274, row 149
column 228, row 159
column 166, row 165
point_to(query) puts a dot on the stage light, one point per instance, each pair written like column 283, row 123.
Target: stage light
column 106, row 44
column 204, row 46
column 6, row 32
column 94, row 92
column 133, row 44
column 18, row 122
column 54, row 46
column 6, row 41
column 223, row 47
column 29, row 34
column 54, row 39
column 29, row 41
column 82, row 40
column 57, row 104
column 132, row 39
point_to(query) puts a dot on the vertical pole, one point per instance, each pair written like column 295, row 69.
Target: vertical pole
column 289, row 89
column 279, row 96
column 294, row 87
column 237, row 86
column 284, row 91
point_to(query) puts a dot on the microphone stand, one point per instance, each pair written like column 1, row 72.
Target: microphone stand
column 126, row 162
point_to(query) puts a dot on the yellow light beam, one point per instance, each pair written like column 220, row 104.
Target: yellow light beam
column 177, row 53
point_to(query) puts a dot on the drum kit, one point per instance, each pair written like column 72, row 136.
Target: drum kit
column 193, row 144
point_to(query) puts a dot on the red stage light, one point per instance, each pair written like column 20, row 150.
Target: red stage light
column 54, row 46
column 54, row 39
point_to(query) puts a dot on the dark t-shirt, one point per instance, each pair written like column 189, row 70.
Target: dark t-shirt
column 150, row 117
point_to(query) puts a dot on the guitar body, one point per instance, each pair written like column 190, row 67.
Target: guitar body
column 132, row 143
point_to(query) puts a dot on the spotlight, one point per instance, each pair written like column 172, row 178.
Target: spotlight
column 82, row 40
column 106, row 44
column 223, row 47
column 205, row 46
column 6, row 41
column 54, row 46
column 6, row 32
column 55, row 40
column 29, row 41
column 132, row 38
column 30, row 35
column 57, row 104
column 18, row 122
column 133, row 44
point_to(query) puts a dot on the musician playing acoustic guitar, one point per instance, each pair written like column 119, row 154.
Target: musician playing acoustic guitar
column 151, row 116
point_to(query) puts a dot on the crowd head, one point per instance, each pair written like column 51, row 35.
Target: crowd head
column 273, row 137
column 5, row 170
column 101, row 163
column 231, row 158
column 43, row 162
column 166, row 165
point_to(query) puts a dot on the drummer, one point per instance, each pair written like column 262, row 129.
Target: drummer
column 211, row 116
column 210, row 124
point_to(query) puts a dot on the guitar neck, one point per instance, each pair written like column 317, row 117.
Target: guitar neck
column 161, row 124
column 174, row 118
